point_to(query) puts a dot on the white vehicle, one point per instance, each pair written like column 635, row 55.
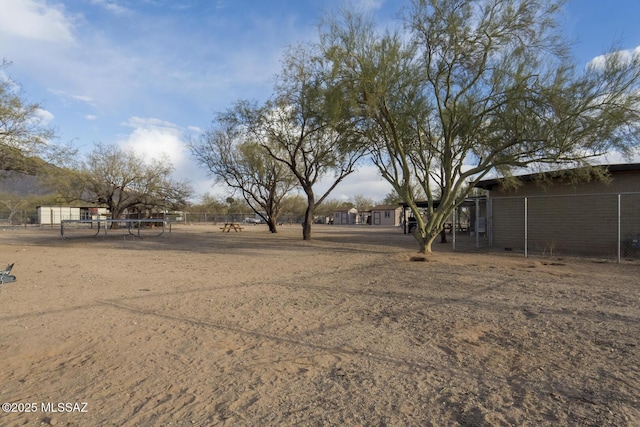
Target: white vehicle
column 252, row 221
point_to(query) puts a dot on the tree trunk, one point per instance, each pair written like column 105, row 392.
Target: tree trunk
column 272, row 225
column 425, row 240
column 308, row 214
column 116, row 213
column 423, row 246
column 306, row 225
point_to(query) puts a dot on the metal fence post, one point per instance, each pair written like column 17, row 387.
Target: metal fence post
column 477, row 224
column 619, row 225
column 489, row 221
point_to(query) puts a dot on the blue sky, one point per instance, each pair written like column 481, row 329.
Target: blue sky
column 149, row 74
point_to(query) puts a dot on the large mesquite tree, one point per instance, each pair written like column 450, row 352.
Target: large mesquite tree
column 124, row 181
column 478, row 86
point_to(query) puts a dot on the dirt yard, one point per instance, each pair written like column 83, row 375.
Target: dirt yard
column 205, row 328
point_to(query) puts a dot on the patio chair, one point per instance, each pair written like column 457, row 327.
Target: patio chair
column 5, row 277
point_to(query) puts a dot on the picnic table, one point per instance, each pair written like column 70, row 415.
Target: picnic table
column 228, row 226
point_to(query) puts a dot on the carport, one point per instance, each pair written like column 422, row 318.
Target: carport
column 468, row 218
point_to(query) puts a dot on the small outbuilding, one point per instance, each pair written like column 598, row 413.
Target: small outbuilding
column 388, row 215
column 54, row 215
column 345, row 216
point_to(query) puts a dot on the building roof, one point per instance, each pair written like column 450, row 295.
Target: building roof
column 488, row 184
column 385, row 207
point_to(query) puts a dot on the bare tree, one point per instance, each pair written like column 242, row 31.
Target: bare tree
column 294, row 208
column 479, row 86
column 208, row 204
column 26, row 140
column 14, row 203
column 124, row 181
column 233, row 158
column 362, row 203
column 308, row 127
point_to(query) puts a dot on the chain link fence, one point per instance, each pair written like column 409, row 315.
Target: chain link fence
column 30, row 217
column 19, row 217
column 202, row 218
column 468, row 226
column 605, row 226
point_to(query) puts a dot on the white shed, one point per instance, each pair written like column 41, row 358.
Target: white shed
column 52, row 215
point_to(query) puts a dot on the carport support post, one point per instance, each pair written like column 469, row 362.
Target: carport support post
column 404, row 219
column 619, row 230
column 526, row 231
column 475, row 226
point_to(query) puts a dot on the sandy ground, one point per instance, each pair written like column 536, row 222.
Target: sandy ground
column 205, row 328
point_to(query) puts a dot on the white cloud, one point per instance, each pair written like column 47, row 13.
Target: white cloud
column 371, row 4
column 366, row 181
column 149, row 123
column 111, row 6
column 83, row 98
column 35, row 20
column 154, row 138
column 625, row 56
column 44, row 117
column 80, row 98
column 615, row 157
column 90, row 117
